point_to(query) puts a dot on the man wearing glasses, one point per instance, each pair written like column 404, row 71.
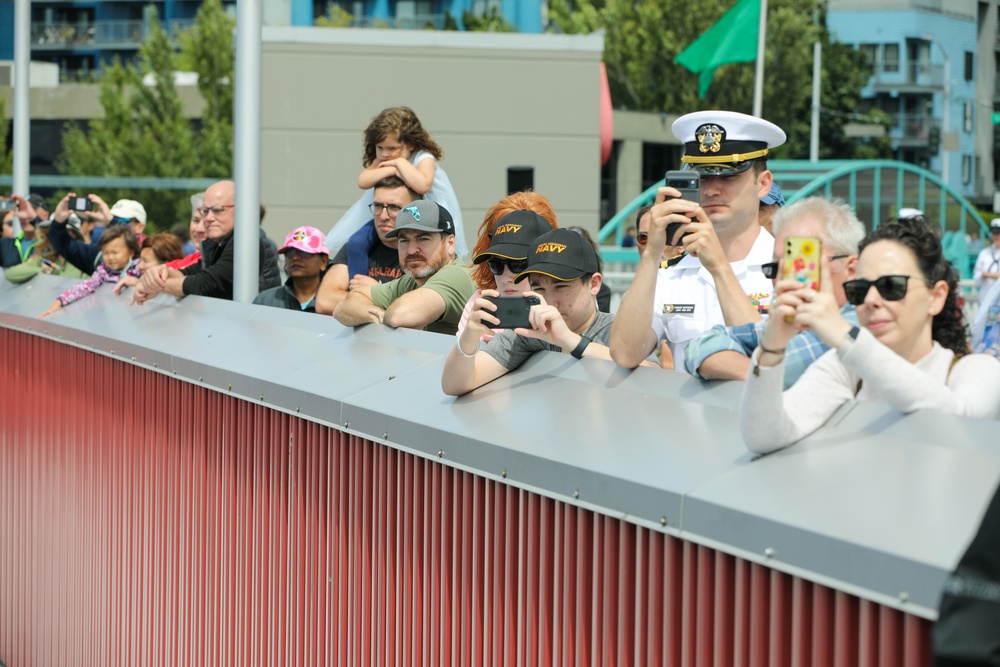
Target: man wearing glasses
column 213, row 276
column 435, row 286
column 368, row 258
column 723, row 353
column 718, row 280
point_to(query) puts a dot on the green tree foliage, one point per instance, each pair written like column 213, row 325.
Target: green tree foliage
column 643, row 37
column 336, row 17
column 491, row 20
column 144, row 131
column 208, row 50
column 6, row 152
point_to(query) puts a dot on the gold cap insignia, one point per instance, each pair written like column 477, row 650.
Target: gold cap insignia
column 709, row 138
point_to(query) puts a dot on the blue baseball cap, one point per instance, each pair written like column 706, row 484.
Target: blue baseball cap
column 773, row 196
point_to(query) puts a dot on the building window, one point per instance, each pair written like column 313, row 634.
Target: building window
column 968, row 116
column 969, row 76
column 966, row 169
column 870, row 52
column 891, row 58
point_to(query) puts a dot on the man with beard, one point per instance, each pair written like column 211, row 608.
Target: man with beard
column 368, row 258
column 435, row 287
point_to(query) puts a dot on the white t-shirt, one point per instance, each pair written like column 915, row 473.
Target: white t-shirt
column 686, row 302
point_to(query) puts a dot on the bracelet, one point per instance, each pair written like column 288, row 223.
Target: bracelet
column 777, row 353
column 458, row 344
column 580, row 347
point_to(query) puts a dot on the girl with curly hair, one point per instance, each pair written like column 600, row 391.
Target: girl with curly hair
column 911, row 351
column 396, row 144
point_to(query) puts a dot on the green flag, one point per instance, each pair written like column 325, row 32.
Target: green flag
column 732, row 39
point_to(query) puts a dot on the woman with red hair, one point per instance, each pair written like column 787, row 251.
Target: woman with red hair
column 488, row 263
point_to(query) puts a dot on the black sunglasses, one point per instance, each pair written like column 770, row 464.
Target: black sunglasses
column 515, row 265
column 770, row 270
column 891, row 288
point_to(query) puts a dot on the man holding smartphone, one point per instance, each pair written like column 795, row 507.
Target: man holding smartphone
column 562, row 268
column 719, row 280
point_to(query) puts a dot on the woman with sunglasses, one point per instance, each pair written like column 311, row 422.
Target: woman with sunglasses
column 500, row 257
column 911, row 352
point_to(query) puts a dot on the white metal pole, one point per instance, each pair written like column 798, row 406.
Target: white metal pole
column 947, row 115
column 246, row 151
column 22, row 100
column 758, row 83
column 814, row 129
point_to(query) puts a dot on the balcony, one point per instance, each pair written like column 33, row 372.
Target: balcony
column 411, row 22
column 911, row 129
column 100, row 34
column 907, row 77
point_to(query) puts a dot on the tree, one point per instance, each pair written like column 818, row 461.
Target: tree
column 336, row 17
column 144, row 131
column 6, row 152
column 208, row 49
column 643, row 38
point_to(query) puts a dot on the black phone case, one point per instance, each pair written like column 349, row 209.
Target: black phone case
column 512, row 311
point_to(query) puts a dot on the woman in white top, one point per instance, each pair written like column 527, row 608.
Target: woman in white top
column 911, row 353
column 987, row 268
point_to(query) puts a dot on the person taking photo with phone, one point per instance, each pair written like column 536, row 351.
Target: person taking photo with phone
column 28, row 213
column 506, row 235
column 562, row 270
column 719, row 280
column 911, row 350
column 723, row 353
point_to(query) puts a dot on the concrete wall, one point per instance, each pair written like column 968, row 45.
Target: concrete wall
column 491, row 101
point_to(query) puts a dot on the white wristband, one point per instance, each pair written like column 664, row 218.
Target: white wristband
column 458, row 344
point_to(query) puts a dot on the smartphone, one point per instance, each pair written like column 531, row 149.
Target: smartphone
column 48, row 262
column 8, row 205
column 512, row 311
column 80, row 204
column 689, row 184
column 802, row 258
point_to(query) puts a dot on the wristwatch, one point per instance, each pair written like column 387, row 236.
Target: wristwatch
column 580, row 347
column 849, row 339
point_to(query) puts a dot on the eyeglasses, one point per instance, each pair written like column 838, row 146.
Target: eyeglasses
column 770, row 270
column 642, row 237
column 891, row 288
column 8, row 223
column 214, row 210
column 515, row 265
column 376, row 208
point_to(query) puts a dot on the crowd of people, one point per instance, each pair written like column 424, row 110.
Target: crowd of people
column 879, row 320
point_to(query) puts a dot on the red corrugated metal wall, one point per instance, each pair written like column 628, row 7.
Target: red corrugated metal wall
column 146, row 521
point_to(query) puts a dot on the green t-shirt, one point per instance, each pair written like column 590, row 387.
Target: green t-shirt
column 452, row 282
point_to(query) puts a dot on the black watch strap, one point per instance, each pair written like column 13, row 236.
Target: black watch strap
column 853, row 333
column 580, row 347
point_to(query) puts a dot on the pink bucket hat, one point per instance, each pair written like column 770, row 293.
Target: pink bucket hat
column 306, row 239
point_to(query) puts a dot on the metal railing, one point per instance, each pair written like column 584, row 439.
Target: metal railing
column 913, row 73
column 415, row 22
column 912, row 125
column 87, row 33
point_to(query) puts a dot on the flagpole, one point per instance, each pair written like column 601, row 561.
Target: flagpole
column 758, row 81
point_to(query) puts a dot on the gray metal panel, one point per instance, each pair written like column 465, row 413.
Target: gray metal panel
column 876, row 503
